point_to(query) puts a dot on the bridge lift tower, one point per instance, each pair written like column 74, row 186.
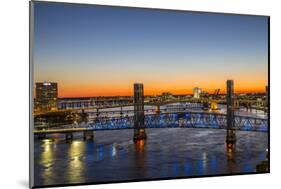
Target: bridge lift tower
column 230, row 135
column 139, row 130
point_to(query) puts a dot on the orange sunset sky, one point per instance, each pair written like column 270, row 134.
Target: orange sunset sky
column 103, row 51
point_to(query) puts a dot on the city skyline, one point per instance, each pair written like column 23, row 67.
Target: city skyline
column 101, row 51
column 130, row 93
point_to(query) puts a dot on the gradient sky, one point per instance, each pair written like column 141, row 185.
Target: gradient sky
column 95, row 50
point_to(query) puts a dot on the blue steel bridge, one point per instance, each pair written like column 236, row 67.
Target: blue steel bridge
column 164, row 120
column 183, row 120
column 139, row 121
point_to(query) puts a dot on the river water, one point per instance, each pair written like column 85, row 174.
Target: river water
column 173, row 152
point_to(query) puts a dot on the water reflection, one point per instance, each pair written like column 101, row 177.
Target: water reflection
column 175, row 169
column 140, row 158
column 139, row 145
column 165, row 153
column 46, row 157
column 204, row 160
column 112, row 150
column 187, row 168
column 100, row 152
column 200, row 167
column 76, row 164
column 214, row 164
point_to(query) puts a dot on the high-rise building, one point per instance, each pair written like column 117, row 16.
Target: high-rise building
column 46, row 96
column 196, row 92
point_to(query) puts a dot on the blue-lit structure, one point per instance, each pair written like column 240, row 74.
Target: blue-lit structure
column 184, row 120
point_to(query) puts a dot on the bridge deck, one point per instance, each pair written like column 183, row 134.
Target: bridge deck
column 171, row 120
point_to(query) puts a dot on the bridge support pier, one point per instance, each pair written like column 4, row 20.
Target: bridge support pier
column 230, row 135
column 68, row 136
column 121, row 111
column 98, row 113
column 88, row 135
column 139, row 134
column 139, row 130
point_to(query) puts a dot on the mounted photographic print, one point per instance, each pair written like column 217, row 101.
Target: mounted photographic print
column 122, row 94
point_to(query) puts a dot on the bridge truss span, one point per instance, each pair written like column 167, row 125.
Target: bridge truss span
column 184, row 120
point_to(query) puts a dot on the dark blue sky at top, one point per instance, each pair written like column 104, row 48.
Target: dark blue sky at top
column 130, row 29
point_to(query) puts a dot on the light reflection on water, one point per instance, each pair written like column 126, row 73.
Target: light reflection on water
column 113, row 156
column 76, row 165
column 46, row 158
